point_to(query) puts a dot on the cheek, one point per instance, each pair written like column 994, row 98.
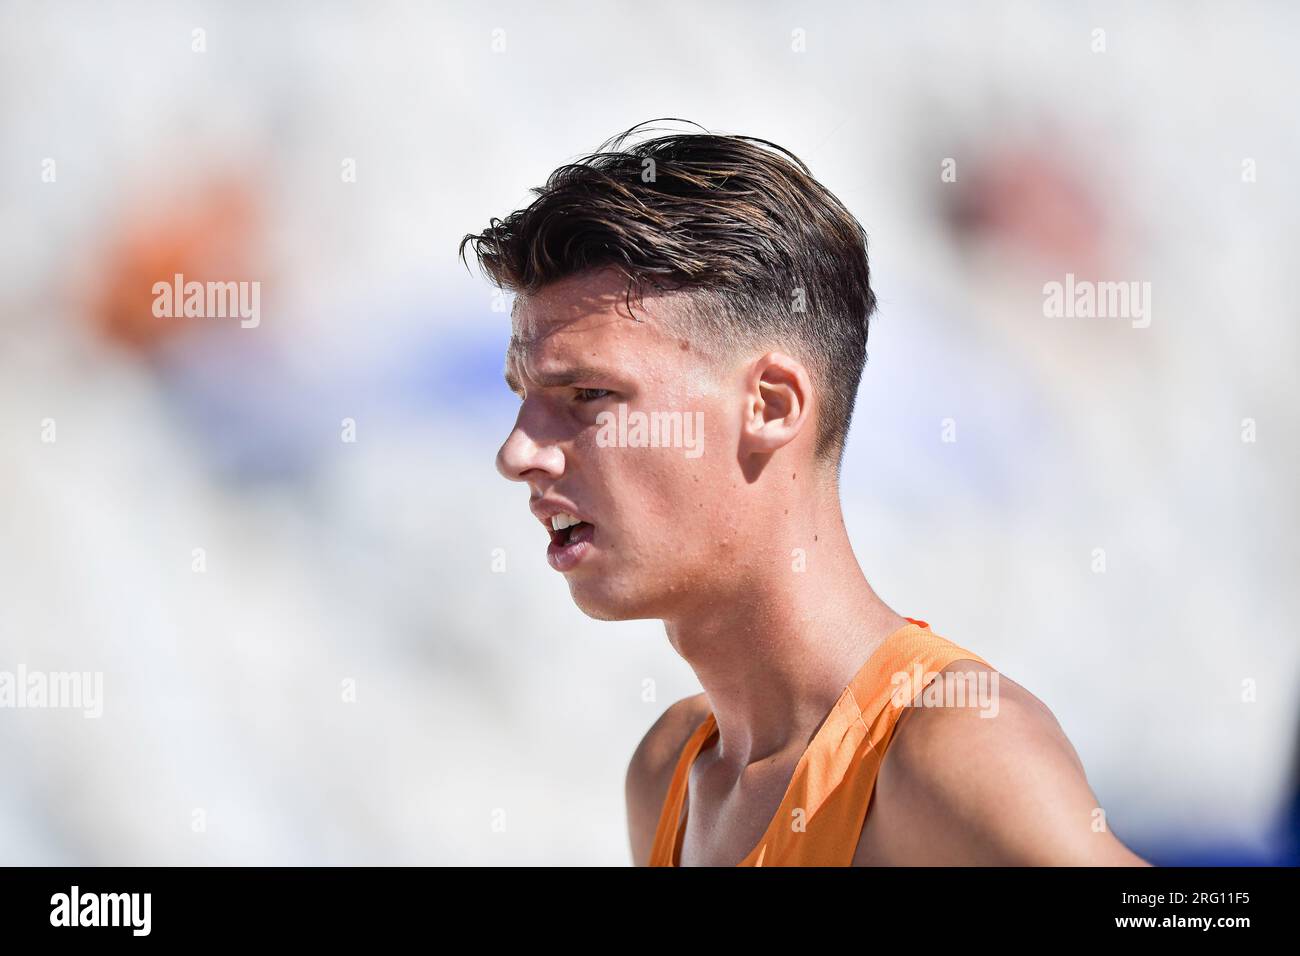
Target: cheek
column 652, row 492
column 680, row 492
column 680, row 498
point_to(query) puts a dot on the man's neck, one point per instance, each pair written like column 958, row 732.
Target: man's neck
column 774, row 660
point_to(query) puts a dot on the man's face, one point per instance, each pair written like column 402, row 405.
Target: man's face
column 657, row 522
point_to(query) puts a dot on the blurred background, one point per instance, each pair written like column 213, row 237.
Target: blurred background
column 326, row 626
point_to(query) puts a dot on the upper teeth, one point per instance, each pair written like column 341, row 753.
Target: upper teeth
column 562, row 521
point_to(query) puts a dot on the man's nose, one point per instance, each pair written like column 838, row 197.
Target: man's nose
column 522, row 457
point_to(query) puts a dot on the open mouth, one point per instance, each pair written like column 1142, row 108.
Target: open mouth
column 570, row 540
column 563, row 537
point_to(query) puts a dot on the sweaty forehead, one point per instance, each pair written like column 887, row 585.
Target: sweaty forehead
column 537, row 330
column 580, row 317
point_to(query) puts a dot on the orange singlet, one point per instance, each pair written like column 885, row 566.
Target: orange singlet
column 821, row 816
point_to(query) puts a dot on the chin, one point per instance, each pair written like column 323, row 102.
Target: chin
column 604, row 600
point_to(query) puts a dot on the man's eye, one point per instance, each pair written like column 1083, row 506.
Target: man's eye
column 590, row 394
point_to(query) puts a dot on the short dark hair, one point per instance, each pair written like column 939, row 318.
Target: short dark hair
column 763, row 252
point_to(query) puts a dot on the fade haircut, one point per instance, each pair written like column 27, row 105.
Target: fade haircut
column 760, row 252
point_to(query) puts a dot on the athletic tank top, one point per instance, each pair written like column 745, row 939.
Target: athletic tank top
column 835, row 776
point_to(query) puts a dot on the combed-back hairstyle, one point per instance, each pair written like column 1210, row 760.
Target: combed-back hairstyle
column 762, row 253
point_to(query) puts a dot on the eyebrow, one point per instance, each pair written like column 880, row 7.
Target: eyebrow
column 559, row 377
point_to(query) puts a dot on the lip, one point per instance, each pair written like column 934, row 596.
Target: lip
column 563, row 556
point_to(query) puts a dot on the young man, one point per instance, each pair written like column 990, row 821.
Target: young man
column 689, row 332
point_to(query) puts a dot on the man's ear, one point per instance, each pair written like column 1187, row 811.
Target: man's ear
column 778, row 403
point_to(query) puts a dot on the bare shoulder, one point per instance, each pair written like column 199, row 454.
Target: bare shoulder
column 651, row 770
column 990, row 779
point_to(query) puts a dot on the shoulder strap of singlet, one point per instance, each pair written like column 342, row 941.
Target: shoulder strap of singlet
column 829, row 799
column 832, row 786
column 663, row 850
